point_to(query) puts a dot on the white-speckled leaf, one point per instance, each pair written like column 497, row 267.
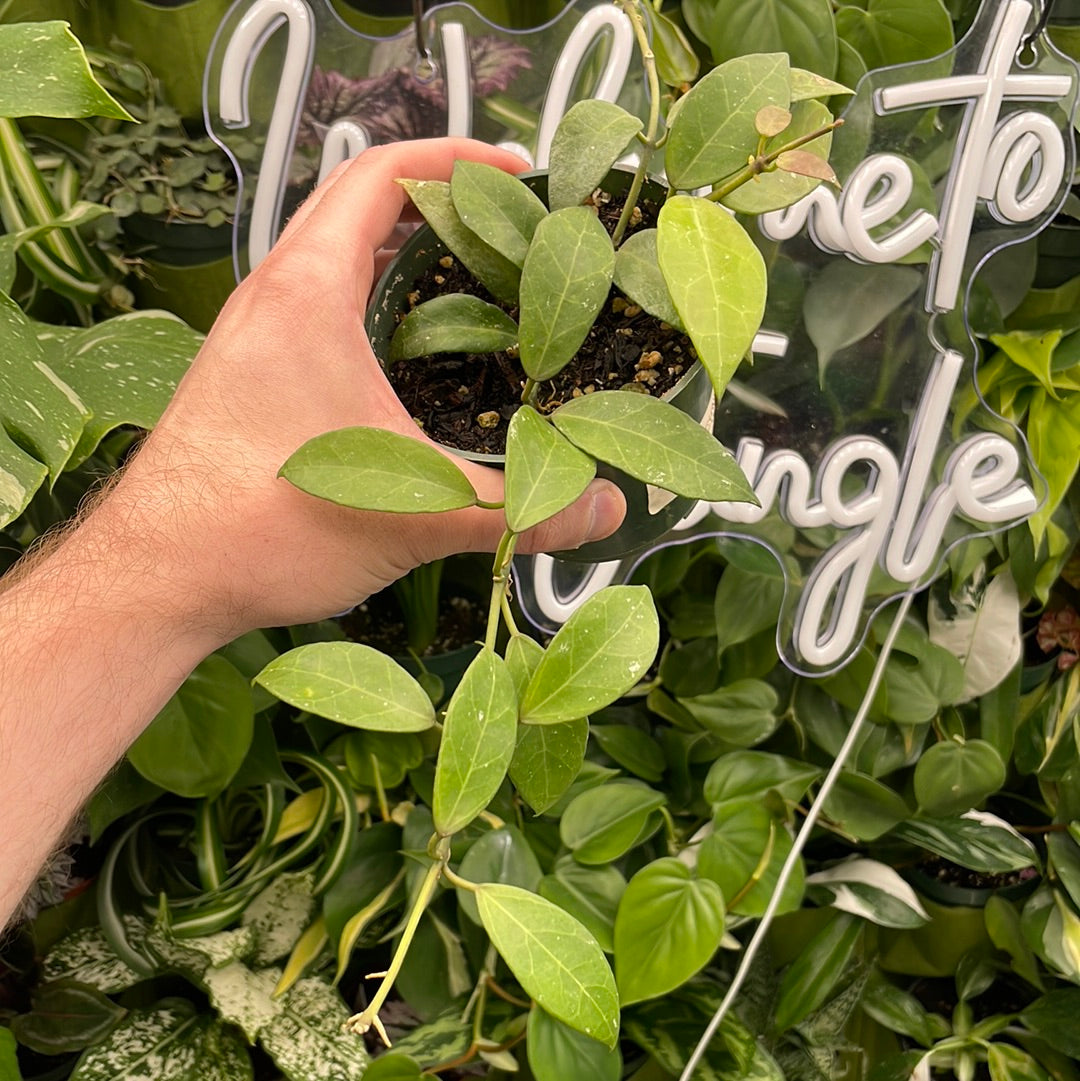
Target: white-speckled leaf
column 553, row 957
column 306, row 1040
column 193, row 956
column 497, row 207
column 46, row 74
column 601, row 651
column 224, row 1056
column 373, row 469
column 279, row 914
column 477, row 743
column 124, row 369
column 716, row 278
column 587, row 142
column 244, row 998
column 350, row 683
column 160, row 1044
column 86, row 957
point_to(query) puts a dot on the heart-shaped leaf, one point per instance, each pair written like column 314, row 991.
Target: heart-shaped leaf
column 951, row 777
column 603, row 823
column 564, row 284
column 373, row 469
column 497, row 207
column 654, row 442
column 559, row 1053
column 587, row 142
column 455, row 323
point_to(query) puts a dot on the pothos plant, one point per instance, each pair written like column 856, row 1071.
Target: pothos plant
column 524, row 710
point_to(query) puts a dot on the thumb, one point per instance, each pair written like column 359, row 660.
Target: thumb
column 596, row 514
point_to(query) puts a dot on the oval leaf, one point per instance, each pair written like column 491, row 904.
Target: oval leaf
column 814, row 973
column 546, row 760
column 976, row 840
column 350, row 683
column 497, row 207
column 456, row 323
column 372, row 469
column 601, row 651
column 668, row 926
column 717, row 281
column 477, row 743
column 603, row 823
column 637, row 274
column 654, row 442
column 554, row 958
column 544, row 471
column 564, row 283
column 587, row 142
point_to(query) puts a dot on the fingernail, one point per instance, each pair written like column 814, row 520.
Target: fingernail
column 607, row 510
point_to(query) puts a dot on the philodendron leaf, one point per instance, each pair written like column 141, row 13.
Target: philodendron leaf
column 952, row 777
column 602, row 824
column 601, row 651
column 373, row 469
column 497, row 207
column 654, row 442
column 350, row 683
column 554, row 958
column 501, row 855
column 394, row 1067
column 477, row 743
column 714, row 131
column 46, row 74
column 559, row 1053
column 455, row 323
column 564, row 284
column 871, row 890
column 587, row 142
column 637, row 274
column 668, row 927
column 717, row 281
column 544, row 471
column 488, row 266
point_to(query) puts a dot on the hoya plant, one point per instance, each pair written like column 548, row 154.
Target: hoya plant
column 521, row 708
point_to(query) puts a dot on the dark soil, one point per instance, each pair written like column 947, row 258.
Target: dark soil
column 378, row 622
column 626, row 347
column 954, row 875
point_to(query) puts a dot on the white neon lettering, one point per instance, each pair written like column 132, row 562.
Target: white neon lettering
column 459, row 98
column 558, row 607
column 344, row 140
column 879, row 190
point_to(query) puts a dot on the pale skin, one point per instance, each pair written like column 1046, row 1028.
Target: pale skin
column 199, row 540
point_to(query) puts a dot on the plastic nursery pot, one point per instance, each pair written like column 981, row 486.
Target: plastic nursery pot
column 957, row 895
column 650, row 512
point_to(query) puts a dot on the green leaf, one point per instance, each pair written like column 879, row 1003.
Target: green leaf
column 393, row 1067
column 503, row 855
column 350, row 683
column 546, row 760
column 808, row 84
column 601, row 824
column 847, row 301
column 279, row 914
column 587, row 142
column 745, row 603
column 676, row 62
column 952, row 777
column 392, row 753
column 870, row 890
column 66, row 1016
column 478, row 738
column 1053, row 1018
column 668, row 927
column 497, row 207
column 544, row 471
column 554, row 958
column 717, row 280
column 564, row 284
column 742, row 774
column 742, row 713
column 601, row 651
column 1009, row 1063
column 86, row 957
column 559, row 1053
column 864, row 807
column 198, row 740
column 890, row 32
column 978, row 841
column 46, row 74
column 9, row 1063
column 814, row 973
column 455, row 323
column 654, row 442
column 632, row 748
column 590, row 894
column 637, row 274
column 713, row 131
column 896, row 1009
column 373, row 469
column 490, row 267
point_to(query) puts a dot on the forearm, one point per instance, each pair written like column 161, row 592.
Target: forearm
column 92, row 644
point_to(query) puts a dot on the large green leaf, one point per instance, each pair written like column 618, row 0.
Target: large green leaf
column 490, row 267
column 546, row 760
column 814, row 973
column 742, row 713
column 544, row 471
column 668, row 927
column 455, row 323
column 587, row 142
column 717, row 280
column 637, row 274
column 603, row 823
column 590, row 894
column 864, row 807
column 742, row 774
column 564, row 284
column 477, row 743
column 350, row 683
column 559, row 1053
column 888, row 32
column 654, row 442
column 202, row 734
column 46, row 74
column 804, row 29
column 598, row 654
column 713, row 131
column 502, row 855
column 554, row 958
column 373, row 469
column 979, row 841
column 952, row 777
column 497, row 207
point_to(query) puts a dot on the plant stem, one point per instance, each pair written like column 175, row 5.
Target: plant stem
column 361, row 1022
column 508, row 615
column 500, row 583
column 528, row 392
column 633, row 12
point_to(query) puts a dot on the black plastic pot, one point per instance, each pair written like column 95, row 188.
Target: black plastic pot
column 650, row 512
column 956, row 895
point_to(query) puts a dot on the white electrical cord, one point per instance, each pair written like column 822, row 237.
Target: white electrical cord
column 800, row 840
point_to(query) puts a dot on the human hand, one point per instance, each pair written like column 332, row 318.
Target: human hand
column 288, row 360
